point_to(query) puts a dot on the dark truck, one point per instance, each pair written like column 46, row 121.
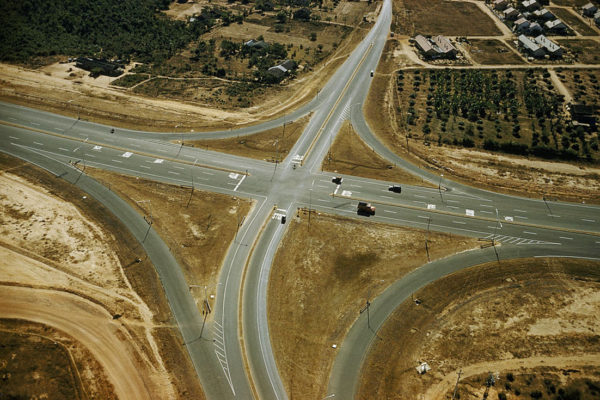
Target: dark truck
column 365, row 208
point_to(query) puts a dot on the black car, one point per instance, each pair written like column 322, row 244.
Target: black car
column 395, row 188
column 337, row 180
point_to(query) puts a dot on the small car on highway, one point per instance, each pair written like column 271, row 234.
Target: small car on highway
column 395, row 188
column 337, row 180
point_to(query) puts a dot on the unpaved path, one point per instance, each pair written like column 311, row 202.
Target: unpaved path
column 441, row 388
column 89, row 324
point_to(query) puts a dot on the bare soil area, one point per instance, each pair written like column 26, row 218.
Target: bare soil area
column 270, row 145
column 70, row 265
column 350, row 155
column 435, row 17
column 323, row 273
column 505, row 173
column 528, row 317
column 198, row 233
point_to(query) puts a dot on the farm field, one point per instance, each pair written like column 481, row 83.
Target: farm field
column 533, row 323
column 516, row 112
column 324, row 271
column 433, row 17
column 492, row 52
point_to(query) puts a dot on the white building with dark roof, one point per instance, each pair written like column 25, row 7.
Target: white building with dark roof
column 589, row 10
column 555, row 26
column 530, row 5
column 521, row 25
column 500, row 4
column 445, row 46
column 551, row 48
column 544, row 13
column 425, row 46
column 510, row 13
column 531, row 47
column 535, row 29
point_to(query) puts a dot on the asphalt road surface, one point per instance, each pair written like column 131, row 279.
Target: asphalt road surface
column 525, row 227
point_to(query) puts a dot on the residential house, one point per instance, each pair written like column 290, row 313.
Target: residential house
column 555, row 26
column 282, row 69
column 551, row 48
column 500, row 4
column 544, row 13
column 530, row 5
column 521, row 25
column 589, row 10
column 258, row 44
column 531, row 47
column 510, row 14
column 444, row 46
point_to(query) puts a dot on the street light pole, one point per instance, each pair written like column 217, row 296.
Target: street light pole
column 440, row 186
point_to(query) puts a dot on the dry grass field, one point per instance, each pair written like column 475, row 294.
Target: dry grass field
column 492, row 52
column 268, row 145
column 321, row 277
column 585, row 51
column 536, row 319
column 583, row 84
column 350, row 155
column 435, row 17
column 570, row 3
column 68, row 269
column 199, row 234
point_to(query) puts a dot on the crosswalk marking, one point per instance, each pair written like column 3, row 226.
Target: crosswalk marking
column 515, row 240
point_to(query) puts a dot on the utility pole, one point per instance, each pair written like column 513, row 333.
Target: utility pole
column 366, row 308
column 427, row 239
column 192, row 176
column 456, row 386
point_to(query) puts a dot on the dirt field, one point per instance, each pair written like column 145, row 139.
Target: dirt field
column 75, row 259
column 434, row 17
column 505, row 173
column 199, row 235
column 268, row 145
column 515, row 316
column 491, row 52
column 321, row 278
column 21, row 342
column 350, row 155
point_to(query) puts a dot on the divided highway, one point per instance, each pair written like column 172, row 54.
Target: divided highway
column 525, row 227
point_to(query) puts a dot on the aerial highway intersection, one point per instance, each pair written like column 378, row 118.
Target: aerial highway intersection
column 525, row 227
